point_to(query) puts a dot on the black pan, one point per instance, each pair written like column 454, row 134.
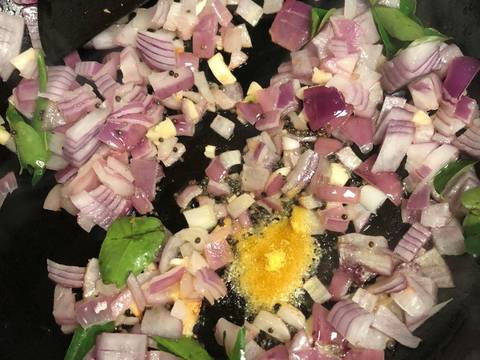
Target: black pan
column 28, row 234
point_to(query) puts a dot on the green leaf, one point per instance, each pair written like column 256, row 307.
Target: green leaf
column 84, row 339
column 41, row 103
column 471, row 229
column 186, row 347
column 450, row 173
column 319, row 18
column 238, row 352
column 471, row 199
column 397, row 24
column 31, row 152
column 390, row 48
column 130, row 245
column 408, row 7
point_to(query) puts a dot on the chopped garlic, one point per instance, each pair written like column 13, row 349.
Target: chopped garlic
column 199, row 7
column 299, row 92
column 421, row 118
column 26, row 63
column 339, row 174
column 252, row 90
column 348, row 158
column 220, row 70
column 210, row 151
column 320, row 77
column 190, row 110
column 163, row 130
column 317, row 291
column 4, row 136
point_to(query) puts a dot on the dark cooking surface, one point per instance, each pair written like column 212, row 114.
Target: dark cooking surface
column 28, row 234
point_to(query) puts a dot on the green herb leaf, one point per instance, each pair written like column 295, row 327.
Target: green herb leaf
column 238, row 352
column 319, row 18
column 84, row 339
column 397, row 24
column 471, row 229
column 450, row 173
column 471, row 200
column 186, row 347
column 408, row 7
column 41, row 103
column 390, row 48
column 130, row 245
column 31, row 153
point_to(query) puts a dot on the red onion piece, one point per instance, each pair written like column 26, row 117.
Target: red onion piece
column 301, row 174
column 157, row 50
column 449, row 239
column 410, row 64
column 279, row 352
column 11, row 34
column 94, row 311
column 223, row 14
column 327, row 146
column 387, row 322
column 66, row 276
column 169, row 82
column 412, row 241
column 209, row 284
column 250, row 112
column 340, row 284
column 216, row 170
column 203, row 40
column 350, row 320
column 218, row 254
column 469, row 142
column 8, row 184
column 460, row 74
column 162, row 282
column 188, row 59
column 323, row 106
column 72, row 59
column 159, row 322
column 426, row 92
column 419, row 297
column 388, row 182
column 322, row 332
column 291, row 27
column 77, row 103
column 334, row 193
column 360, row 131
column 120, row 346
column 64, row 306
column 137, row 293
column 147, row 172
column 30, row 15
column 434, row 266
column 60, row 79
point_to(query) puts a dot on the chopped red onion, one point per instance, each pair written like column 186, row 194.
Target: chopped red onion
column 169, row 82
column 434, row 266
column 426, row 92
column 30, row 15
column 11, row 34
column 223, row 126
column 209, row 284
column 414, row 322
column 158, row 321
column 388, row 323
column 301, row 174
column 218, row 254
column 64, row 306
column 468, row 141
column 436, row 215
column 410, row 64
column 334, row 193
column 137, row 293
column 60, row 80
column 359, row 131
column 121, row 346
column 8, row 184
column 94, row 311
column 203, row 40
column 250, row 112
column 66, row 276
column 157, row 49
column 350, row 320
column 291, row 27
column 273, row 325
column 340, row 284
column 460, row 74
column 418, row 298
column 388, row 182
column 162, row 282
column 412, row 241
column 292, row 316
column 324, row 106
column 449, row 239
column 327, row 146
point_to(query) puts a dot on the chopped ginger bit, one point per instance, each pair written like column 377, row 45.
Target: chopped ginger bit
column 271, row 263
column 421, row 118
column 320, row 77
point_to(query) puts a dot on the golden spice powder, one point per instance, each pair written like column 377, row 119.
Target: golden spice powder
column 271, row 263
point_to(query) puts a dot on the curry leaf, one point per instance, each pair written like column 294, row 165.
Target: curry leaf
column 397, row 24
column 471, row 199
column 84, row 339
column 319, row 18
column 450, row 173
column 390, row 48
column 238, row 352
column 408, row 7
column 130, row 245
column 186, row 347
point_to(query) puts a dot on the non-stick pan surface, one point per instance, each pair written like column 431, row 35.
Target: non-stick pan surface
column 28, row 234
